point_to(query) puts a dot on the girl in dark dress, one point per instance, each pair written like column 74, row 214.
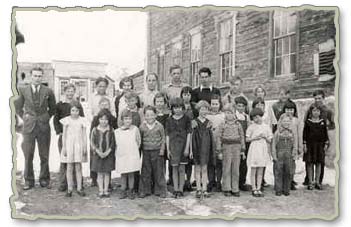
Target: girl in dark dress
column 202, row 148
column 315, row 143
column 162, row 114
column 103, row 145
column 192, row 113
column 178, row 135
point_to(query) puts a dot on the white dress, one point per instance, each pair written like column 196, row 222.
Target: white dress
column 74, row 139
column 258, row 154
column 127, row 152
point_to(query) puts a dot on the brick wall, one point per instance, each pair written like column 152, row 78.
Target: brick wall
column 253, row 46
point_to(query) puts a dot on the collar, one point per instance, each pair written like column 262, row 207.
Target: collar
column 210, row 87
column 176, row 85
column 125, row 128
column 33, row 87
column 147, row 91
column 97, row 94
column 240, row 116
column 150, row 126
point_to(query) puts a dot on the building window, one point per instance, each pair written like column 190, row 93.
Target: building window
column 161, row 71
column 23, row 76
column 226, row 50
column 284, row 39
column 195, row 52
column 177, row 52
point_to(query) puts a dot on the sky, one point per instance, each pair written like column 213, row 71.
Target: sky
column 115, row 37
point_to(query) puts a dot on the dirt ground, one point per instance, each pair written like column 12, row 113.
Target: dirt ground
column 51, row 202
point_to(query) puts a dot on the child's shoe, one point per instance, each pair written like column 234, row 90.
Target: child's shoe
column 163, row 195
column 198, row 194
column 260, row 194
column 278, row 193
column 69, row 194
column 206, row 194
column 81, row 193
column 310, row 187
column 123, row 194
column 227, row 193
column 180, row 194
column 318, row 187
column 286, row 193
column 175, row 194
column 236, row 194
column 131, row 195
column 107, row 194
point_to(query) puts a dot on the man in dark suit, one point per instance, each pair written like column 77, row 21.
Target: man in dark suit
column 206, row 89
column 35, row 105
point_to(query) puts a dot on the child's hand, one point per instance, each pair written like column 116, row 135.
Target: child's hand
column 64, row 152
column 169, row 156
column 220, row 156
column 326, row 147
column 193, row 124
column 186, row 153
column 304, row 148
column 191, row 155
column 243, row 155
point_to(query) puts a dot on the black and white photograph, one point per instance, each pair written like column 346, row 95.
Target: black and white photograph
column 175, row 113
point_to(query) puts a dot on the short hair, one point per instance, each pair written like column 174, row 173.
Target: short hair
column 101, row 79
column 257, row 101
column 74, row 103
column 148, row 107
column 107, row 113
column 289, row 105
column 205, row 70
column 235, row 78
column 176, row 102
column 202, row 103
column 154, row 74
column 319, row 92
column 173, row 67
column 124, row 80
column 313, row 106
column 185, row 90
column 68, row 86
column 160, row 95
column 104, row 99
column 130, row 95
column 256, row 112
column 37, row 69
column 241, row 100
column 217, row 97
column 126, row 113
column 228, row 107
column 258, row 87
column 285, row 89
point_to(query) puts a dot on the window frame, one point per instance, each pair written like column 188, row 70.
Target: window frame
column 195, row 63
column 274, row 42
column 230, row 50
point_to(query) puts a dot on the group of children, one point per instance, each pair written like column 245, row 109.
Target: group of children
column 140, row 142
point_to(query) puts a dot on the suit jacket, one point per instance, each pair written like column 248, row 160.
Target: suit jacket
column 31, row 116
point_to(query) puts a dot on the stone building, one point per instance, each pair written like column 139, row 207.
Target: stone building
column 270, row 47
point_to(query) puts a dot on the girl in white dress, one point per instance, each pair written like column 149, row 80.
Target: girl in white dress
column 74, row 147
column 127, row 153
column 260, row 136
